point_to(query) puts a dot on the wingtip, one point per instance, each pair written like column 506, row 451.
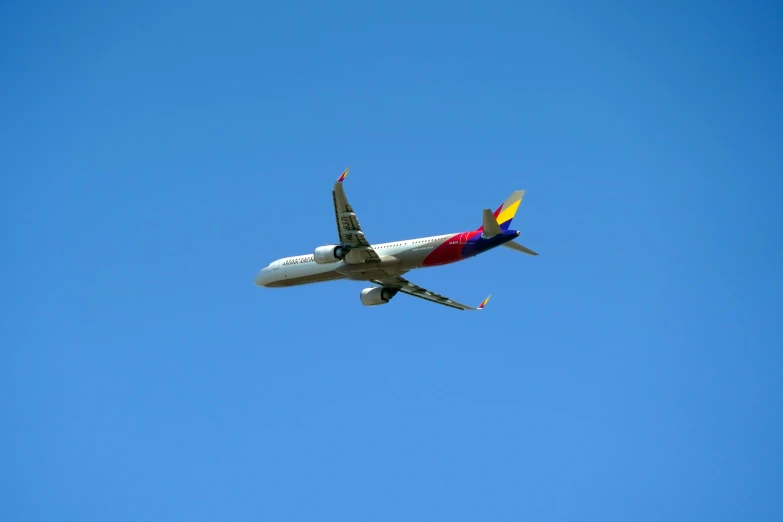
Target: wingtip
column 345, row 173
column 484, row 303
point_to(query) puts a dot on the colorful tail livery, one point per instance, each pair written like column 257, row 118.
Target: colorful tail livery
column 505, row 212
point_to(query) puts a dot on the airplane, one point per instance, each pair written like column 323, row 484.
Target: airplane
column 384, row 264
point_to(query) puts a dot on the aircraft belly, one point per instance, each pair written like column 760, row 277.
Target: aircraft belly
column 303, row 279
column 387, row 266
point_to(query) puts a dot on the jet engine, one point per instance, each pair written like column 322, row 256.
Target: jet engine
column 377, row 295
column 329, row 254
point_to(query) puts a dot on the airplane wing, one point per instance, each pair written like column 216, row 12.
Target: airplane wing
column 405, row 286
column 348, row 228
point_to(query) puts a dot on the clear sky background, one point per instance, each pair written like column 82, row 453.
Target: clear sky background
column 155, row 155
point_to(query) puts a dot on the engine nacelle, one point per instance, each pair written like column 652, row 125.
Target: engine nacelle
column 328, row 254
column 377, row 295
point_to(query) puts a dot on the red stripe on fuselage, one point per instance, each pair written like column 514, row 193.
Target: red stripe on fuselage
column 448, row 252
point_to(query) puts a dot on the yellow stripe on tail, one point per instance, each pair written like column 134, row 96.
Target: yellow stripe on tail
column 505, row 213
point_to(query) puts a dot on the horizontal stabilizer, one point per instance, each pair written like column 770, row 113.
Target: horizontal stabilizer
column 491, row 227
column 519, row 248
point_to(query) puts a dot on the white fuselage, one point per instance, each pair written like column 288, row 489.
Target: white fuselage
column 397, row 258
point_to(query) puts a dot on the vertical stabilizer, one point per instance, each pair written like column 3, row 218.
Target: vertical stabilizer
column 505, row 213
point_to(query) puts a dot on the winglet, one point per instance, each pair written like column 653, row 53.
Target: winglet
column 341, row 178
column 483, row 303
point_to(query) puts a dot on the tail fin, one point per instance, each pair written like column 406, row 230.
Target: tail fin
column 505, row 212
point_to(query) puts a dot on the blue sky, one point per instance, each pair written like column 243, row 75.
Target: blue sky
column 157, row 154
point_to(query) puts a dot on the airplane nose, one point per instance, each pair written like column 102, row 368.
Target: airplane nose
column 260, row 279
